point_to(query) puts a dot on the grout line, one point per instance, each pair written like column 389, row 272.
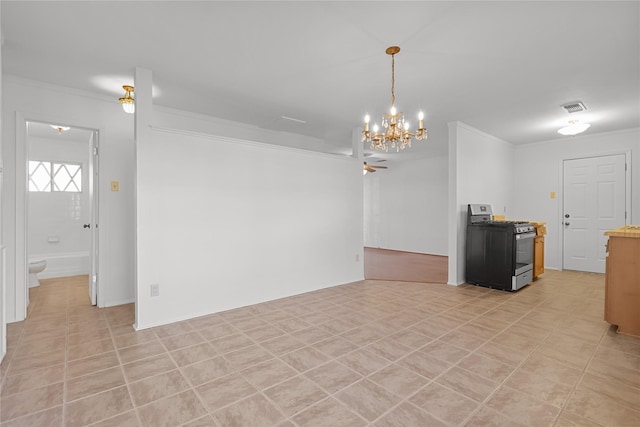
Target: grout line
column 343, row 302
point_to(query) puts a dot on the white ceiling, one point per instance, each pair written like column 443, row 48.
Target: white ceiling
column 502, row 67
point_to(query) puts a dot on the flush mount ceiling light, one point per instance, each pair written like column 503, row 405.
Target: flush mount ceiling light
column 574, row 128
column 60, row 129
column 395, row 130
column 127, row 101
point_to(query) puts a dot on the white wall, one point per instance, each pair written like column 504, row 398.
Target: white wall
column 227, row 223
column 48, row 103
column 55, row 219
column 538, row 172
column 405, row 206
column 3, row 320
column 480, row 171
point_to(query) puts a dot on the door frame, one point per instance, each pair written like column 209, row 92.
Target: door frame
column 627, row 195
column 21, row 264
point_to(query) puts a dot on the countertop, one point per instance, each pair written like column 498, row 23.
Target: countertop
column 541, row 226
column 625, row 231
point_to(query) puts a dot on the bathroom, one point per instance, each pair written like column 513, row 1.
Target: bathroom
column 59, row 202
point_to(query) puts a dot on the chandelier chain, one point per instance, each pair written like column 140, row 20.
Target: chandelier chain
column 393, row 80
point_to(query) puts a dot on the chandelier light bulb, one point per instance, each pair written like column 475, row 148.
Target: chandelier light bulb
column 367, row 118
column 406, row 126
column 421, row 115
column 393, row 110
column 375, row 128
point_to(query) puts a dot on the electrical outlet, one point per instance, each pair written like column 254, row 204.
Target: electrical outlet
column 155, row 290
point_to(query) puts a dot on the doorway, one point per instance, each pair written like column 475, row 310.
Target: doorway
column 595, row 199
column 61, row 205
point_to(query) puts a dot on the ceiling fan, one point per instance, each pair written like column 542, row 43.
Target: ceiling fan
column 366, row 168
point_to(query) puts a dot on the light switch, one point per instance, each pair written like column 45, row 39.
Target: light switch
column 553, row 194
column 115, row 186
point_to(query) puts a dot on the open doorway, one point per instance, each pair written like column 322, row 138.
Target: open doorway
column 61, row 236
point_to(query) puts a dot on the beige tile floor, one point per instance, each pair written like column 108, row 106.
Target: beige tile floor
column 368, row 353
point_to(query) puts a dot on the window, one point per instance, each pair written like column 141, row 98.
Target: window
column 55, row 177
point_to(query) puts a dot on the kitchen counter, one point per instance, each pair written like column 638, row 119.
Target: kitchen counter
column 632, row 231
column 622, row 279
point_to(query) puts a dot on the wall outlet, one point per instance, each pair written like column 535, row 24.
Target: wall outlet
column 155, row 290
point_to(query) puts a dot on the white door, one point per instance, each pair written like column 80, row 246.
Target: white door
column 93, row 197
column 594, row 202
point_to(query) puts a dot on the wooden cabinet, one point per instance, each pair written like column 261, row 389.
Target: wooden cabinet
column 538, row 248
column 622, row 280
column 538, row 256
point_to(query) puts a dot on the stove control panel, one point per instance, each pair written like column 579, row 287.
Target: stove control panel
column 524, row 229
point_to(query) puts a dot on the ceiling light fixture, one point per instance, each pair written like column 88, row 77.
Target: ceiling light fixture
column 395, row 130
column 127, row 101
column 574, row 128
column 60, row 129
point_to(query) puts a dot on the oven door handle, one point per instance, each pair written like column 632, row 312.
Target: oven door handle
column 525, row 236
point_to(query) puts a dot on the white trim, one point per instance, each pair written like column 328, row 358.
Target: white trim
column 246, row 142
column 21, row 266
column 10, row 78
column 577, row 137
column 3, row 299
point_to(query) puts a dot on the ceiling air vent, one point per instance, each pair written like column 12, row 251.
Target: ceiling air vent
column 574, row 107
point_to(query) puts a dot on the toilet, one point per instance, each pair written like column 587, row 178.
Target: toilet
column 36, row 266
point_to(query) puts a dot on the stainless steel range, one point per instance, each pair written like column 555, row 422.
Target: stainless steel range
column 499, row 254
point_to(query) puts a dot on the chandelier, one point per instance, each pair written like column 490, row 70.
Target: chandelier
column 127, row 101
column 395, row 129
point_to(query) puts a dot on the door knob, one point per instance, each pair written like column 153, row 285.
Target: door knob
column 566, row 215
column 86, row 226
column 566, row 223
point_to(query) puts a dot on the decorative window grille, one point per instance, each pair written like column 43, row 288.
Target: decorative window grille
column 55, row 177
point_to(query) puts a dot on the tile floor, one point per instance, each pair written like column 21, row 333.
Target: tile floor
column 368, row 353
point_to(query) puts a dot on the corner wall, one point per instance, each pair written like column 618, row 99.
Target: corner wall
column 227, row 223
column 480, row 171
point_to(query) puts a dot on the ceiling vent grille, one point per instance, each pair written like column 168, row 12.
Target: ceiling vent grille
column 574, row 107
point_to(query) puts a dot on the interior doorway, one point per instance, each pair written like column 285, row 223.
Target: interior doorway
column 61, row 205
column 595, row 199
